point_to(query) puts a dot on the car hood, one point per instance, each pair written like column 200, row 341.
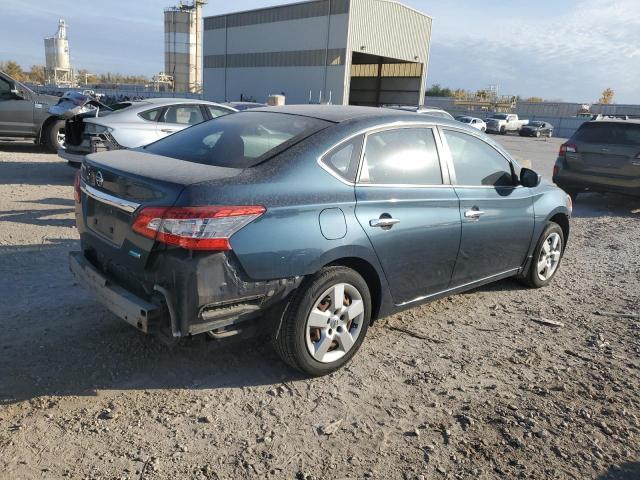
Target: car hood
column 75, row 103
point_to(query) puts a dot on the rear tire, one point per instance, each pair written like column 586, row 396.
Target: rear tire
column 309, row 344
column 547, row 257
column 503, row 131
column 54, row 136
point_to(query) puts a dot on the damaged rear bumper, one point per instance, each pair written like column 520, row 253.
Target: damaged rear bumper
column 182, row 294
column 125, row 305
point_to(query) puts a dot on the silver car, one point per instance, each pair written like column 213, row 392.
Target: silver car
column 141, row 123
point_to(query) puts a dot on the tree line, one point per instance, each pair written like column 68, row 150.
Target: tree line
column 36, row 74
column 459, row 93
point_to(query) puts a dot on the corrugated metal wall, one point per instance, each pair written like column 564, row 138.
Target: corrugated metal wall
column 390, row 29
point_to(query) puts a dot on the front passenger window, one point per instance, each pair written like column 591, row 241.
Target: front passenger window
column 477, row 163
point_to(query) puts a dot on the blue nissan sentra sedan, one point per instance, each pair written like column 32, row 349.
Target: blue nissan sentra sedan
column 314, row 220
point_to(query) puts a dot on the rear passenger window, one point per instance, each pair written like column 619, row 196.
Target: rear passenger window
column 184, row 114
column 344, row 159
column 150, row 115
column 476, row 162
column 404, row 156
column 217, row 111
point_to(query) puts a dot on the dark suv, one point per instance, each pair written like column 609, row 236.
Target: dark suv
column 603, row 155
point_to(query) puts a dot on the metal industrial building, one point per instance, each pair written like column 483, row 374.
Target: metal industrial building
column 358, row 52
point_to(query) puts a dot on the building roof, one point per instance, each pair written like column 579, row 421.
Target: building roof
column 294, row 4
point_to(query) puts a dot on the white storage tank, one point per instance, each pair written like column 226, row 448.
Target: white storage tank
column 58, row 61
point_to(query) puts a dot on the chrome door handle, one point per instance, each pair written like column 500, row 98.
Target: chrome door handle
column 473, row 213
column 168, row 130
column 384, row 222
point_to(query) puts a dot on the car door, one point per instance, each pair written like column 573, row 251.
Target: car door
column 16, row 114
column 497, row 213
column 409, row 210
column 179, row 117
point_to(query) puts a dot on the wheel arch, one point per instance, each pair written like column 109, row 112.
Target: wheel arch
column 369, row 274
column 45, row 125
column 562, row 219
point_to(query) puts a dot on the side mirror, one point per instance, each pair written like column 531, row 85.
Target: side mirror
column 18, row 94
column 529, row 178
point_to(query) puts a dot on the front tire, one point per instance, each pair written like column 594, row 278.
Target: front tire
column 325, row 322
column 547, row 257
column 54, row 136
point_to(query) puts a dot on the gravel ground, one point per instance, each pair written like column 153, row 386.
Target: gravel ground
column 466, row 387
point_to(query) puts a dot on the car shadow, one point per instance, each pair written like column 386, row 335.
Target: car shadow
column 592, row 205
column 58, row 341
column 42, row 216
column 22, row 146
column 627, row 471
column 36, row 173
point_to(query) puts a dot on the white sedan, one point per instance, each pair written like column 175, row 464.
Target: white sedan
column 138, row 124
column 473, row 122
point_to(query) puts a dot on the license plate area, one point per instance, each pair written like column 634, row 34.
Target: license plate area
column 108, row 222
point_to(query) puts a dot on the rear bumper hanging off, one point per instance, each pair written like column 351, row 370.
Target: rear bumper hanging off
column 117, row 300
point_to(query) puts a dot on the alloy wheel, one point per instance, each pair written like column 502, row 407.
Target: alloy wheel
column 60, row 137
column 335, row 323
column 550, row 255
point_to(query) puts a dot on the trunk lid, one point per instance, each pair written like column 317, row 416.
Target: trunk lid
column 118, row 184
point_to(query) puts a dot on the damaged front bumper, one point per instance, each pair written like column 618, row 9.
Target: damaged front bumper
column 183, row 294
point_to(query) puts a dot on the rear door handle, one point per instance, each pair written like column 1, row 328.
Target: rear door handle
column 384, row 222
column 473, row 214
column 168, row 130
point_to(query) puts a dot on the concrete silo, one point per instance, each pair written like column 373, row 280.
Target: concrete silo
column 183, row 46
column 58, row 62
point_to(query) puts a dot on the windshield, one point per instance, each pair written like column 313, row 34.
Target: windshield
column 241, row 140
column 499, row 116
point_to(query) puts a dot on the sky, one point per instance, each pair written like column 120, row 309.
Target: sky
column 567, row 50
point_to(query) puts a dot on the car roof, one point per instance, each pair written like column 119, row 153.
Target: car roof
column 334, row 113
column 362, row 116
column 171, row 101
column 622, row 121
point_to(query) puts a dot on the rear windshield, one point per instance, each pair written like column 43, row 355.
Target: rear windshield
column 241, row 140
column 609, row 133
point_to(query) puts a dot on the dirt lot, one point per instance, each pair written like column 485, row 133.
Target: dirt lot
column 466, row 387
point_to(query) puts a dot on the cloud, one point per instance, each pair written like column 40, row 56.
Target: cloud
column 574, row 56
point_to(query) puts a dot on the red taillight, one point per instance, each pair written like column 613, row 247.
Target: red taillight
column 567, row 148
column 195, row 228
column 77, row 193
